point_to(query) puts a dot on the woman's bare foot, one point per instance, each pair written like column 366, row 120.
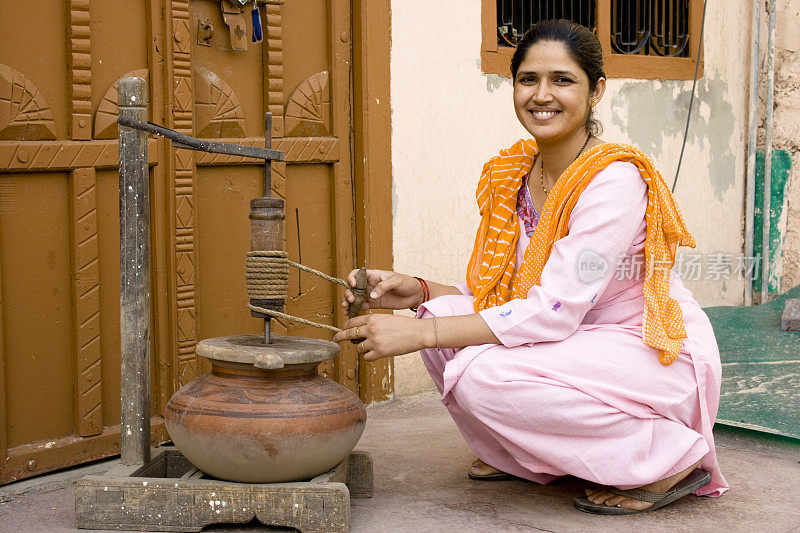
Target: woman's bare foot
column 603, row 496
column 479, row 468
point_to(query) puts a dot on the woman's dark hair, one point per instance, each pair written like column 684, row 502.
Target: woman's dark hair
column 582, row 46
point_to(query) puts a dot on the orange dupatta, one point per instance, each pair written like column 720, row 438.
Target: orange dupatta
column 491, row 270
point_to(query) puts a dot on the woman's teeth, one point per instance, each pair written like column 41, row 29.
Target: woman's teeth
column 544, row 114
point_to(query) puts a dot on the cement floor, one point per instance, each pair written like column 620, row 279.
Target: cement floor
column 421, row 486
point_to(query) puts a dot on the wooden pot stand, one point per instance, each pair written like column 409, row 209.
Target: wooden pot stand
column 170, row 494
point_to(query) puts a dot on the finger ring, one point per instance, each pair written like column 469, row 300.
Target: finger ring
column 361, row 346
column 357, row 335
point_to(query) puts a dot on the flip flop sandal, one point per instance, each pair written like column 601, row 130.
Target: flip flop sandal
column 497, row 476
column 696, row 479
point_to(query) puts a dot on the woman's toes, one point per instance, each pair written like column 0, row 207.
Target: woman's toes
column 479, row 468
column 600, row 496
column 614, row 500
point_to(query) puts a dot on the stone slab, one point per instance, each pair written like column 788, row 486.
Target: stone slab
column 170, row 494
column 790, row 320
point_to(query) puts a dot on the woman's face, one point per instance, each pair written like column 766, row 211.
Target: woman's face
column 551, row 93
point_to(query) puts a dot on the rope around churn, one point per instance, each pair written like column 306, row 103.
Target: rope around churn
column 268, row 279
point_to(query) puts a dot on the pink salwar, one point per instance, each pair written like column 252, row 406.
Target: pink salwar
column 573, row 389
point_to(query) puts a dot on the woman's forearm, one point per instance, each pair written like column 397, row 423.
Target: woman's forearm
column 437, row 289
column 457, row 332
column 386, row 335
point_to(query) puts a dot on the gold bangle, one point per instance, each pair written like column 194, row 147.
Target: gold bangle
column 436, row 333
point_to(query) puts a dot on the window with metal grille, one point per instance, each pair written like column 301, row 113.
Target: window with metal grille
column 640, row 38
column 650, row 27
column 514, row 17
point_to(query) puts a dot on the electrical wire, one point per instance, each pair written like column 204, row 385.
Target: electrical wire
column 691, row 100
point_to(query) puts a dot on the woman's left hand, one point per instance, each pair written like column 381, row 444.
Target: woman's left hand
column 386, row 335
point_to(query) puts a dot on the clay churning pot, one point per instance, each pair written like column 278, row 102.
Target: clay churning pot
column 264, row 414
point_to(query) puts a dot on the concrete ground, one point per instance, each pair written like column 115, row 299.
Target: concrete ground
column 421, row 486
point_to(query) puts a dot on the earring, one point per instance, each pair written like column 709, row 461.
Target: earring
column 594, row 102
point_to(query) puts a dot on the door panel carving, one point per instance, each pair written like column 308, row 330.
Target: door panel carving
column 86, row 301
column 308, row 111
column 51, row 156
column 80, row 72
column 272, row 58
column 24, row 112
column 298, row 150
column 105, row 118
column 218, row 110
column 181, row 105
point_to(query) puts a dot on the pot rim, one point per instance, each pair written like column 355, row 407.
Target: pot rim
column 282, row 350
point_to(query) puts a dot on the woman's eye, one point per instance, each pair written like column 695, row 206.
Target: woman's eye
column 527, row 79
column 563, row 80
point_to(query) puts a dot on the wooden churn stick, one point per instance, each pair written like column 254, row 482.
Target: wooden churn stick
column 359, row 294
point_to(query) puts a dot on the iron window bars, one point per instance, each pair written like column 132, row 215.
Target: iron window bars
column 638, row 27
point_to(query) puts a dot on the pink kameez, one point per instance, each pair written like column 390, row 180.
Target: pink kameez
column 573, row 389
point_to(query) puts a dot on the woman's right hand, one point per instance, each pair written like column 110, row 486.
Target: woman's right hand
column 386, row 290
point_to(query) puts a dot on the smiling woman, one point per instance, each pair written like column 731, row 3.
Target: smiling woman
column 557, row 83
column 548, row 360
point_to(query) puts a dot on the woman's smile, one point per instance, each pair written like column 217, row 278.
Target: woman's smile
column 544, row 114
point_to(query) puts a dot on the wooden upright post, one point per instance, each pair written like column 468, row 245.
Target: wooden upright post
column 267, row 162
column 134, row 258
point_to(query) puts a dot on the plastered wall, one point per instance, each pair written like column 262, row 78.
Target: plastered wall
column 786, row 128
column 448, row 118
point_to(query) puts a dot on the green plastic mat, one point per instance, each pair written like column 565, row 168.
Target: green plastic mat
column 760, row 368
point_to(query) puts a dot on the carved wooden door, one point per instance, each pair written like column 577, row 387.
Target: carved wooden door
column 59, row 227
column 300, row 73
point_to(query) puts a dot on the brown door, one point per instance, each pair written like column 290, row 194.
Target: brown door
column 59, row 227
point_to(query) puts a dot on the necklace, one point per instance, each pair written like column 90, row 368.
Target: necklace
column 541, row 175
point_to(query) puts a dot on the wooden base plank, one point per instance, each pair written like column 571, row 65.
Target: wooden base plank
column 169, row 494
